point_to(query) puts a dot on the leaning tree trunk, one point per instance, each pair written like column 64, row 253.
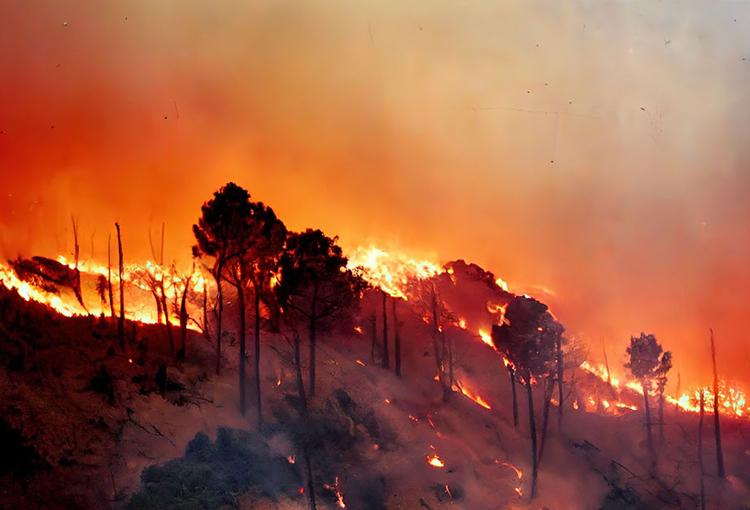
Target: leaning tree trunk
column 717, row 425
column 258, row 402
column 396, row 339
column 512, row 374
column 532, row 428
column 386, row 355
column 243, row 354
column 700, row 453
column 648, row 416
column 121, row 323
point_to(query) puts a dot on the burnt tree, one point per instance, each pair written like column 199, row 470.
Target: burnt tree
column 645, row 359
column 217, row 233
column 424, row 294
column 527, row 340
column 396, row 338
column 121, row 322
column 386, row 355
column 315, row 285
column 665, row 365
column 717, row 425
column 109, row 276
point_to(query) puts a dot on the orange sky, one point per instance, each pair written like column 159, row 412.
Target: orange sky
column 598, row 149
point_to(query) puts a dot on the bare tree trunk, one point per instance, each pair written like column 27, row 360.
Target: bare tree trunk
column 661, row 416
column 163, row 294
column 220, row 313
column 397, row 338
column 310, row 479
column 300, row 381
column 165, row 308
column 109, row 275
column 700, row 453
column 313, row 334
column 206, row 330
column 386, row 355
column 182, row 354
column 648, row 417
column 549, row 388
column 121, row 324
column 374, row 324
column 450, row 360
column 258, row 401
column 606, row 364
column 304, row 415
column 243, row 355
column 511, row 373
column 561, row 399
column 717, row 425
column 532, row 428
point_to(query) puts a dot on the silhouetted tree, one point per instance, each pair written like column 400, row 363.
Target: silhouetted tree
column 158, row 284
column 700, row 450
column 552, row 338
column 219, row 235
column 397, row 337
column 424, row 295
column 717, row 425
column 109, row 275
column 315, row 285
column 121, row 322
column 265, row 238
column 644, row 353
column 181, row 310
column 665, row 365
column 525, row 339
column 386, row 355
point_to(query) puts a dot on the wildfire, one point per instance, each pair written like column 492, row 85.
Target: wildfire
column 486, row 338
column 144, row 311
column 733, row 400
column 476, row 398
column 390, row 271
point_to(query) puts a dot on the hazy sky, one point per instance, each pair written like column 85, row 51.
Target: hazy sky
column 598, row 149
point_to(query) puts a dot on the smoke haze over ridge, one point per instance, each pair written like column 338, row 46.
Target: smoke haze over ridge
column 598, row 149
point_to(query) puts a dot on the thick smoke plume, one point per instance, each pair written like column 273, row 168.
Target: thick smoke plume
column 597, row 150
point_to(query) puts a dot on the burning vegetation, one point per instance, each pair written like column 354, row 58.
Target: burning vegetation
column 437, row 341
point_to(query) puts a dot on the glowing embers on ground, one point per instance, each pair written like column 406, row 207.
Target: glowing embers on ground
column 471, row 395
column 519, row 475
column 433, row 459
column 335, row 489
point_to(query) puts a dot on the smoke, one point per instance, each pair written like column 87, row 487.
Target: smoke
column 597, row 149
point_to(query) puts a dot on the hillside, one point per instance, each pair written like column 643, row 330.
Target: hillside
column 90, row 427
